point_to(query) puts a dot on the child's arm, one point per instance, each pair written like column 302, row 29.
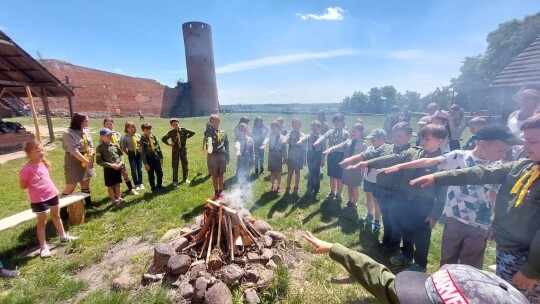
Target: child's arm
column 100, row 160
column 23, row 184
column 158, row 148
column 352, row 159
column 143, row 153
column 226, row 145
column 419, row 163
column 285, row 138
column 438, row 207
column 165, row 139
column 189, row 133
column 323, row 137
column 337, row 147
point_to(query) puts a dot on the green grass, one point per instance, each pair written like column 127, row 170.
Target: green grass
column 150, row 216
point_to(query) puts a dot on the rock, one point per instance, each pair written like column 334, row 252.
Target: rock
column 185, row 230
column 199, row 220
column 218, row 294
column 277, row 258
column 252, row 275
column 271, row 265
column 212, row 281
column 186, row 290
column 180, row 244
column 267, row 276
column 240, row 261
column 195, row 270
column 262, row 226
column 170, row 280
column 150, row 277
column 250, row 296
column 171, row 233
column 231, row 274
column 276, row 236
column 253, row 257
column 162, row 254
column 245, row 214
column 178, row 264
column 250, row 219
column 200, row 288
column 267, row 241
column 122, row 282
column 267, row 254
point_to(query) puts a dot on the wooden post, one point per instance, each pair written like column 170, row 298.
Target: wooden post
column 47, row 113
column 69, row 99
column 34, row 114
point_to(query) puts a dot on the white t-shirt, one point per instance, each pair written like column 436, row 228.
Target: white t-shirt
column 370, row 174
column 468, row 204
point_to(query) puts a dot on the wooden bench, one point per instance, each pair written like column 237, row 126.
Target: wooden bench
column 73, row 202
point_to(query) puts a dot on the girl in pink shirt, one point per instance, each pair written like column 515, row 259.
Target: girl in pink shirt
column 43, row 194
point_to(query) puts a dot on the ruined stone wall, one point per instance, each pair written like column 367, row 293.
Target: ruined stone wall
column 105, row 93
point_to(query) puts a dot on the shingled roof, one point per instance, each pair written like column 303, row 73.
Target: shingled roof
column 524, row 70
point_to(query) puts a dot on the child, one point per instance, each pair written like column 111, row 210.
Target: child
column 109, row 156
column 315, row 158
column 474, row 125
column 259, row 133
column 217, row 159
column 353, row 146
column 335, row 136
column 43, row 194
column 441, row 118
column 321, row 117
column 243, row 120
column 282, row 128
column 295, row 156
column 116, row 137
column 277, row 155
column 245, row 157
column 378, row 138
column 178, row 136
column 468, row 208
column 451, row 284
column 516, row 227
column 388, row 189
column 426, row 120
column 131, row 145
column 418, row 208
column 391, row 120
column 152, row 157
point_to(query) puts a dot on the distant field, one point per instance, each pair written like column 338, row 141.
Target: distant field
column 318, row 280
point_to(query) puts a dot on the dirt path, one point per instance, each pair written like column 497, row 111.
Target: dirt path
column 20, row 154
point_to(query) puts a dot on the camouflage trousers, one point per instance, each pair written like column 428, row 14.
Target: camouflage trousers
column 508, row 263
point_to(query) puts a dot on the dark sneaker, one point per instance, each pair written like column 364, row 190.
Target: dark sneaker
column 338, row 197
column 331, row 196
column 91, row 206
column 256, row 171
column 416, row 267
column 352, row 205
column 375, row 226
column 398, row 259
column 8, row 274
column 366, row 218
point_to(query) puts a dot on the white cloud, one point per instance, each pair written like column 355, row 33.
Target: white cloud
column 283, row 59
column 117, row 70
column 331, row 13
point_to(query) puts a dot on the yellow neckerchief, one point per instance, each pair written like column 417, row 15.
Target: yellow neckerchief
column 115, row 140
column 151, row 140
column 87, row 147
column 532, row 175
column 134, row 140
column 178, row 137
column 218, row 135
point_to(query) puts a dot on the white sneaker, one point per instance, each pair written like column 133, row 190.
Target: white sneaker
column 137, row 188
column 175, row 185
column 133, row 192
column 44, row 253
column 141, row 187
column 68, row 238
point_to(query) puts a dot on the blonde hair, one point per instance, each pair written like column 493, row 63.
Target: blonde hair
column 214, row 117
column 33, row 145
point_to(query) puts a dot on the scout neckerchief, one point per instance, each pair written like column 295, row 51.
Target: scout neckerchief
column 532, row 175
column 352, row 148
column 178, row 138
column 151, row 140
column 134, row 140
column 337, row 135
column 87, row 147
column 115, row 140
column 218, row 135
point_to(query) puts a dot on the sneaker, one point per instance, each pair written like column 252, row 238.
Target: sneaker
column 117, row 202
column 398, row 259
column 186, row 181
column 8, row 274
column 416, row 267
column 133, row 192
column 175, row 185
column 278, row 189
column 256, row 171
column 338, row 197
column 375, row 226
column 44, row 253
column 137, row 188
column 141, row 187
column 91, row 206
column 287, row 190
column 366, row 218
column 331, row 196
column 68, row 238
column 352, row 205
column 273, row 189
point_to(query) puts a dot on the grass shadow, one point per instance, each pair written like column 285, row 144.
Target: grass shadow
column 303, row 202
column 199, row 179
column 347, row 220
column 280, row 206
column 265, row 198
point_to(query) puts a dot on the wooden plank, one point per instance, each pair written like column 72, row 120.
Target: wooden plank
column 34, row 114
column 27, row 215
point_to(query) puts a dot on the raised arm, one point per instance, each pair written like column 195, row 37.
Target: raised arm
column 419, row 163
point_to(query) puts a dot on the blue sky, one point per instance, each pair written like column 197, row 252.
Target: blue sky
column 268, row 51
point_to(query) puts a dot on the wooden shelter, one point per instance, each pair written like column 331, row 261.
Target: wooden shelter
column 22, row 76
column 523, row 70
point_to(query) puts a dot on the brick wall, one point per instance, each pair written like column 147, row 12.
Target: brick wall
column 109, row 93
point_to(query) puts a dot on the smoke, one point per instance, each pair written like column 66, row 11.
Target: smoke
column 240, row 194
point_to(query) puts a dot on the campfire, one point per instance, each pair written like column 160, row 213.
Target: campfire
column 226, row 246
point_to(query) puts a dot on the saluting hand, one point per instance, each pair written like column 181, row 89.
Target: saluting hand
column 321, row 246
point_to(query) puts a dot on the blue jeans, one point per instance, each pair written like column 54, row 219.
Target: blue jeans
column 387, row 201
column 135, row 163
column 259, row 156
